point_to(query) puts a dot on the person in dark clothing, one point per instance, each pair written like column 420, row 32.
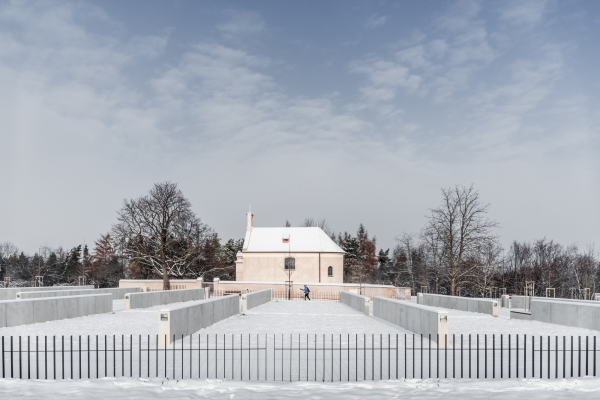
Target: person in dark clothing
column 306, row 291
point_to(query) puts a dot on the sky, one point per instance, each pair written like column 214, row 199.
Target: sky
column 353, row 111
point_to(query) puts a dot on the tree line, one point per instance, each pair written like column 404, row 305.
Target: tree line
column 158, row 236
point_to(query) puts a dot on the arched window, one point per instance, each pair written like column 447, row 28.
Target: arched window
column 329, row 271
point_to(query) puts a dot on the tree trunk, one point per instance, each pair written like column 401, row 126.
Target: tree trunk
column 452, row 283
column 166, row 282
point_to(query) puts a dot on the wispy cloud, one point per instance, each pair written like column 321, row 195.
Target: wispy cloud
column 242, row 23
column 376, row 20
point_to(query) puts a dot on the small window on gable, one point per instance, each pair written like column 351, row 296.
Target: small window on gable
column 329, row 271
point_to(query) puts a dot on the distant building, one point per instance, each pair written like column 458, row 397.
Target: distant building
column 311, row 254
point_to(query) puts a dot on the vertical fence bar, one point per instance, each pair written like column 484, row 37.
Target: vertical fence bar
column 586, row 356
column 37, row 364
column 53, row 356
column 97, row 364
column 541, row 357
column 429, row 356
column 461, row 355
column 571, row 356
column 11, row 358
column 3, row 364
column 20, row 364
column 45, row 357
column 501, row 356
column 485, row 355
column 517, row 366
column 405, row 362
column 62, row 350
column 105, row 357
column 469, row 355
column 594, row 354
column 71, row 351
column 494, row 356
column 28, row 358
column 421, row 356
column 413, row 355
column 478, row 356
column 525, row 356
column 578, row 356
column 548, row 357
column 396, row 356
column 564, row 357
column 509, row 356
column 533, row 357
column 555, row 357
column 79, row 356
column 453, row 355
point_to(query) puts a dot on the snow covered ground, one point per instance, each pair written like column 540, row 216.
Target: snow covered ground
column 110, row 388
column 290, row 317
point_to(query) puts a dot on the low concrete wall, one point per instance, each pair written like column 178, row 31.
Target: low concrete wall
column 360, row 303
column 316, row 288
column 568, row 313
column 151, row 299
column 255, row 299
column 483, row 306
column 117, row 293
column 524, row 315
column 413, row 317
column 33, row 311
column 11, row 293
column 188, row 318
column 157, row 284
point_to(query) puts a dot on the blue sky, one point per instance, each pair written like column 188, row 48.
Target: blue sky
column 352, row 111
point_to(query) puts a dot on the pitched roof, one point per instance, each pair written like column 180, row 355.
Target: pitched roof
column 301, row 240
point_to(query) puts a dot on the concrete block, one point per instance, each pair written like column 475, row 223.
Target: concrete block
column 505, row 302
column 523, row 315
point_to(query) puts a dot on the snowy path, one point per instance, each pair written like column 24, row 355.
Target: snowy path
column 106, row 389
column 301, row 317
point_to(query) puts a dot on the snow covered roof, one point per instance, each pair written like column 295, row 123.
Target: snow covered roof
column 300, row 240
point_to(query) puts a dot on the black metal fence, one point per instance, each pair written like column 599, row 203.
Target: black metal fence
column 299, row 357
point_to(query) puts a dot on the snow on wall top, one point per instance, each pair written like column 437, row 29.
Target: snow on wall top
column 301, row 240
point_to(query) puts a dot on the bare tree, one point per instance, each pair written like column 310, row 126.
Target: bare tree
column 322, row 223
column 461, row 226
column 160, row 231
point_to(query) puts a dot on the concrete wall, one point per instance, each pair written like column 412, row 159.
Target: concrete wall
column 11, row 293
column 483, row 306
column 151, row 299
column 568, row 313
column 188, row 318
column 229, row 287
column 33, row 311
column 117, row 293
column 521, row 302
column 157, row 284
column 413, row 317
column 360, row 303
column 255, row 299
column 524, row 302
